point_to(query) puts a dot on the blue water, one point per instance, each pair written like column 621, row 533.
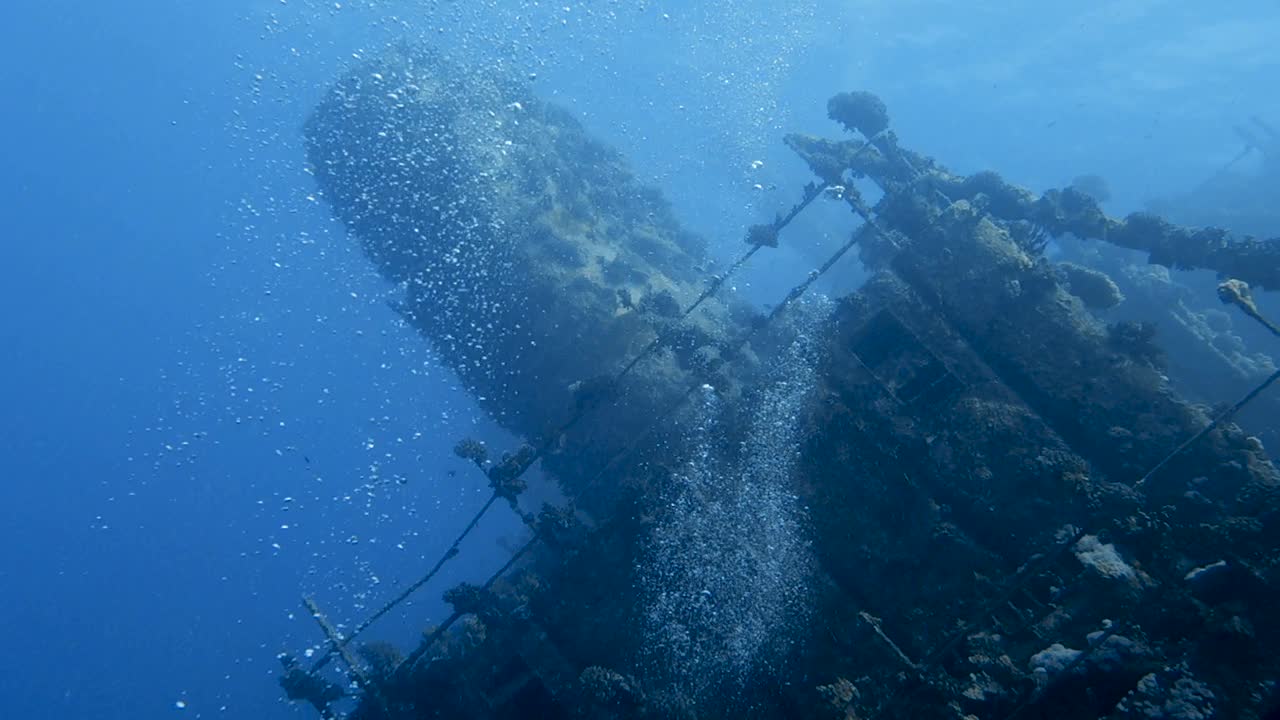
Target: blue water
column 208, row 407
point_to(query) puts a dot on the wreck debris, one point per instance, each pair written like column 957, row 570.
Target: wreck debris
column 1236, row 292
column 1058, row 211
column 507, row 244
column 339, row 646
column 1210, row 356
column 918, row 268
column 300, row 685
column 1245, row 200
column 976, row 452
column 505, row 476
column 450, row 553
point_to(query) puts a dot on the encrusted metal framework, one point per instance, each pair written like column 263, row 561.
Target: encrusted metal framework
column 993, row 477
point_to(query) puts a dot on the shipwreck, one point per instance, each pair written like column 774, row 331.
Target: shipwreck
column 954, row 493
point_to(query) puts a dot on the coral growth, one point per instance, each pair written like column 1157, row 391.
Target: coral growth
column 859, row 111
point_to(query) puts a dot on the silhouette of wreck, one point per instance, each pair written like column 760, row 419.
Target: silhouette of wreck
column 1244, row 194
column 1009, row 511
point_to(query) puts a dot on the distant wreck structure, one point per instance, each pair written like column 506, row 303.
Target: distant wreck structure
column 1244, row 194
column 994, row 504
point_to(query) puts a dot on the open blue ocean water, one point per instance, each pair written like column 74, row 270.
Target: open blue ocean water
column 207, row 406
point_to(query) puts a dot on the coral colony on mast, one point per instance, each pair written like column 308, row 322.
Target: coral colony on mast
column 953, row 493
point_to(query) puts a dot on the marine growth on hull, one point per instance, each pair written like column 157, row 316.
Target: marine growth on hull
column 966, row 490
